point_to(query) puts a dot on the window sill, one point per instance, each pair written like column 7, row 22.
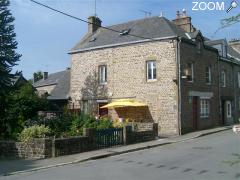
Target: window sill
column 204, row 117
column 151, row 80
column 208, row 84
column 103, row 84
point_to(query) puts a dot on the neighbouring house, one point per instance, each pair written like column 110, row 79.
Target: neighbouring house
column 235, row 44
column 229, row 84
column 168, row 65
column 18, row 80
column 56, row 86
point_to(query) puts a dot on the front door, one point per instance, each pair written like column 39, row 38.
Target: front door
column 102, row 111
column 195, row 111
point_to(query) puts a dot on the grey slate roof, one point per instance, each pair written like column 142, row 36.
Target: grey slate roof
column 16, row 79
column 152, row 27
column 232, row 52
column 61, row 80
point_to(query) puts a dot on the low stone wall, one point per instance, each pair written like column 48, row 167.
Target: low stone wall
column 134, row 135
column 35, row 149
column 141, row 126
column 72, row 145
column 45, row 148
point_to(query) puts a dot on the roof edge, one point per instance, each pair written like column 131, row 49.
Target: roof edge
column 120, row 44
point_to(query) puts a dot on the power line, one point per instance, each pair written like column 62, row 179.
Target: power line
column 79, row 19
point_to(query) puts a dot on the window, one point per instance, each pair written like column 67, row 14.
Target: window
column 223, row 78
column 102, row 74
column 190, row 72
column 205, row 107
column 208, row 75
column 229, row 109
column 239, row 79
column 151, row 70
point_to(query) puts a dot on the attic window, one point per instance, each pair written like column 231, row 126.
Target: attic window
column 92, row 39
column 125, row 32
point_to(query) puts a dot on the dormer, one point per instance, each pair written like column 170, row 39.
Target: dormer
column 220, row 45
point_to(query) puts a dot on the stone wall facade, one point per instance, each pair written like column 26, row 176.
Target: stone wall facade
column 193, row 91
column 126, row 78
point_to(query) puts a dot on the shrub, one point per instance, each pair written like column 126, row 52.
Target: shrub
column 86, row 121
column 59, row 125
column 34, row 132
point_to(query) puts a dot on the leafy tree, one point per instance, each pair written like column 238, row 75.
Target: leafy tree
column 37, row 76
column 8, row 57
column 22, row 104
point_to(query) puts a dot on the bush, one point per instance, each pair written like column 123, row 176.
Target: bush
column 59, row 125
column 86, row 121
column 34, row 132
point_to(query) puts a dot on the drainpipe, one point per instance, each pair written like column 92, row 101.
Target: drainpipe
column 179, row 40
column 235, row 93
column 219, row 91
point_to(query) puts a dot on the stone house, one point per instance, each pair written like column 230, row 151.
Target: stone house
column 56, row 86
column 165, row 64
column 229, row 84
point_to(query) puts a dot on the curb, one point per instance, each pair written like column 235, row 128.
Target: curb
column 113, row 153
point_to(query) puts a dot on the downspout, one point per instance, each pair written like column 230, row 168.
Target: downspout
column 219, row 92
column 179, row 40
column 235, row 94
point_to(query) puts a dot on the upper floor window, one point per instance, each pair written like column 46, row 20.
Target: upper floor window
column 151, row 70
column 102, row 72
column 190, row 72
column 223, row 78
column 239, row 79
column 208, row 74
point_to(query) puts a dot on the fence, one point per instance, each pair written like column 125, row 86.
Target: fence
column 93, row 139
column 109, row 137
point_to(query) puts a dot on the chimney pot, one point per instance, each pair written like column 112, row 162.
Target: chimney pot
column 177, row 14
column 184, row 12
column 45, row 75
column 93, row 24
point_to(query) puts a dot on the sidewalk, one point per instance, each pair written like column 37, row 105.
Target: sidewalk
column 10, row 167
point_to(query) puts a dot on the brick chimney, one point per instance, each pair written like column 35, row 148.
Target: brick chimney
column 184, row 21
column 93, row 24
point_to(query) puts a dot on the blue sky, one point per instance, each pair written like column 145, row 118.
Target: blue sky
column 45, row 37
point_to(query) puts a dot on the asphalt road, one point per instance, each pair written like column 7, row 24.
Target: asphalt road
column 215, row 156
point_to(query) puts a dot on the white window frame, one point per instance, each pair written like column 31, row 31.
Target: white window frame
column 229, row 109
column 208, row 75
column 102, row 74
column 239, row 103
column 191, row 68
column 239, row 79
column 223, row 78
column 204, row 107
column 152, row 68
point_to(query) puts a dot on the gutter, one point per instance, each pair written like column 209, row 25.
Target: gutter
column 120, row 44
column 179, row 86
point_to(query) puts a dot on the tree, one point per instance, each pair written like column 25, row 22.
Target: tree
column 8, row 45
column 37, row 76
column 8, row 57
column 23, row 104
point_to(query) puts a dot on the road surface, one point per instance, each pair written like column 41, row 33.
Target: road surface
column 215, row 156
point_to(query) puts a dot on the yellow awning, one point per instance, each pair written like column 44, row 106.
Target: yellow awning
column 124, row 103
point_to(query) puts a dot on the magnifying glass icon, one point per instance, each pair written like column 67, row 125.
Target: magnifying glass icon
column 233, row 4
